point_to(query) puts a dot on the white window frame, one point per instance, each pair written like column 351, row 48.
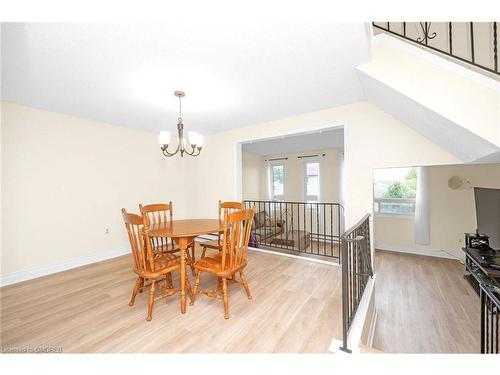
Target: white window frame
column 271, row 180
column 378, row 201
column 304, row 178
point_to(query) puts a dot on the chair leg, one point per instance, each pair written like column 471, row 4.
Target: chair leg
column 203, row 252
column 224, row 297
column 192, row 258
column 196, row 285
column 245, row 284
column 142, row 284
column 168, row 280
column 190, row 289
column 151, row 301
column 137, row 287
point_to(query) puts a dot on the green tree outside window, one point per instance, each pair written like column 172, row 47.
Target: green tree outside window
column 403, row 189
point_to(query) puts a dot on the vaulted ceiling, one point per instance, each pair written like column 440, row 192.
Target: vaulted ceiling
column 125, row 74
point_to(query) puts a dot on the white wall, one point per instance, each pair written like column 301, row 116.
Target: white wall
column 452, row 212
column 468, row 99
column 255, row 175
column 65, row 179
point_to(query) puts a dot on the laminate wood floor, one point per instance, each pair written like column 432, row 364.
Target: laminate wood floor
column 424, row 306
column 296, row 308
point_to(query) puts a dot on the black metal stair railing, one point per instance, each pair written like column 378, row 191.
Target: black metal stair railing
column 302, row 228
column 490, row 312
column 356, row 271
column 425, row 35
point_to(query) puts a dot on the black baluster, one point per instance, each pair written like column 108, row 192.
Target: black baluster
column 495, row 53
column 472, row 41
column 450, row 37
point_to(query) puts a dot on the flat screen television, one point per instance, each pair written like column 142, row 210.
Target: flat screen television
column 488, row 214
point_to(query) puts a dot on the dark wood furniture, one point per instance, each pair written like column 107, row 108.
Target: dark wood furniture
column 477, row 271
column 232, row 259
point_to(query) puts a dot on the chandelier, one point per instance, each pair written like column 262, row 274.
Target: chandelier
column 191, row 146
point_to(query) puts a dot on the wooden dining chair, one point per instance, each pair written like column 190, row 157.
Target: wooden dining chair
column 224, row 207
column 163, row 213
column 147, row 265
column 231, row 260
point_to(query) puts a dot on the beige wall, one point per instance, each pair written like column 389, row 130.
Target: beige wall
column 372, row 139
column 452, row 212
column 65, row 179
column 255, row 175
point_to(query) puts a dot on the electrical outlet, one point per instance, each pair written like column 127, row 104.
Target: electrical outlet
column 106, row 230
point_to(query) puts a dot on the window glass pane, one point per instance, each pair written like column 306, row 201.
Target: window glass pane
column 312, row 181
column 395, row 183
column 396, row 208
column 312, row 185
column 394, row 191
column 278, row 180
column 312, row 169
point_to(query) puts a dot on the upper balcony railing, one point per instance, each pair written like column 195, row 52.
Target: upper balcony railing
column 474, row 43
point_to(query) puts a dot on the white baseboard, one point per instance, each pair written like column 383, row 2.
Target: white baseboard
column 34, row 272
column 417, row 251
column 294, row 256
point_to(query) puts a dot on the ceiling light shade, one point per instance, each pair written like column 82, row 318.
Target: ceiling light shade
column 164, row 138
column 194, row 140
column 200, row 140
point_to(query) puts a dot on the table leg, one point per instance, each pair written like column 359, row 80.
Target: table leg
column 183, row 243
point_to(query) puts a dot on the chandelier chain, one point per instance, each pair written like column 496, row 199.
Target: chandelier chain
column 180, row 110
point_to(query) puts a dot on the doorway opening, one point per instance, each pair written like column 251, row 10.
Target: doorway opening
column 295, row 183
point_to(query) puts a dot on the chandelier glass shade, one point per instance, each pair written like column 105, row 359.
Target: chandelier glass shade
column 190, row 146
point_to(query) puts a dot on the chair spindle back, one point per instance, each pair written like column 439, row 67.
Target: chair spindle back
column 237, row 229
column 141, row 253
column 156, row 214
column 229, row 207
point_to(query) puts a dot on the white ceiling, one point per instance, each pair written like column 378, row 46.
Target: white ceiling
column 125, row 74
column 316, row 141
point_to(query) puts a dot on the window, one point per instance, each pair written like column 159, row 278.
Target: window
column 277, row 181
column 394, row 191
column 311, row 181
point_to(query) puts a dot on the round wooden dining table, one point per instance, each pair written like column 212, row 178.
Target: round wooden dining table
column 183, row 232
